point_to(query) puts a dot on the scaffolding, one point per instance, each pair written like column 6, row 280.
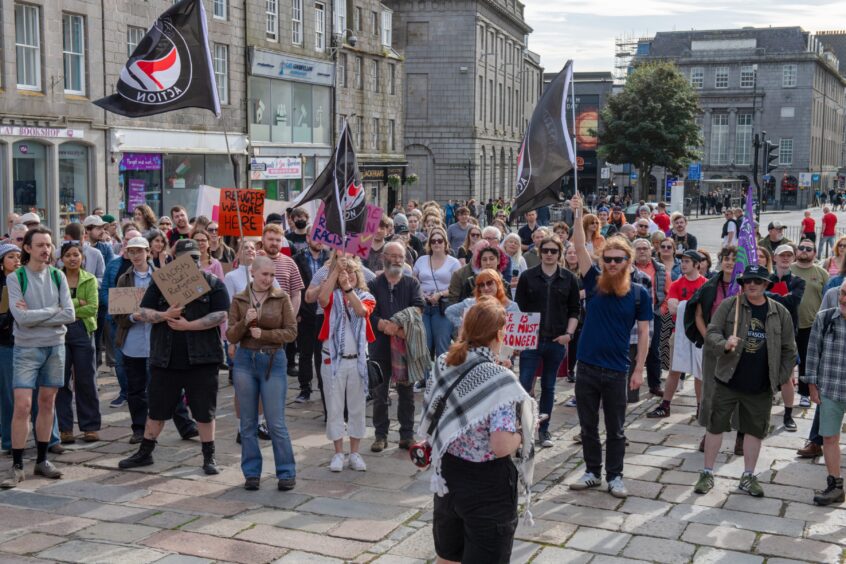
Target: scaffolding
column 625, row 50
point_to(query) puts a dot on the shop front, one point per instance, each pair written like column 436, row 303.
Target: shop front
column 383, row 182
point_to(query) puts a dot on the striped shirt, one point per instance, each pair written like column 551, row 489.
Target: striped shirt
column 287, row 274
column 825, row 363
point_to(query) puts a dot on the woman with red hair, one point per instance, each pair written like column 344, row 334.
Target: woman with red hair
column 485, row 255
column 487, row 283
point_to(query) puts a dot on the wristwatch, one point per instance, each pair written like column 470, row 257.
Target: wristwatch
column 348, row 290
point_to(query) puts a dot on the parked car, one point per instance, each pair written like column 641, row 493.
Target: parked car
column 631, row 211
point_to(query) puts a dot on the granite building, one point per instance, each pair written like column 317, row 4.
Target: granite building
column 780, row 80
column 471, row 85
column 61, row 155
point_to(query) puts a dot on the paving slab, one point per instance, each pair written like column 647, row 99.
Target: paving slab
column 206, row 546
column 667, row 551
column 30, row 543
column 739, row 519
column 553, row 555
column 301, row 540
column 598, row 541
column 708, row 555
column 88, row 552
column 805, row 549
column 121, row 533
column 719, row 537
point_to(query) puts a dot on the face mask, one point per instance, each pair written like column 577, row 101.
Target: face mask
column 300, row 224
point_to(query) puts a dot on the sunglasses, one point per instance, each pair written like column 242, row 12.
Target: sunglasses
column 19, row 239
column 755, row 282
column 475, row 235
column 549, row 251
column 841, row 245
column 436, row 241
column 667, row 247
column 616, row 260
column 806, row 249
column 212, row 230
column 487, row 284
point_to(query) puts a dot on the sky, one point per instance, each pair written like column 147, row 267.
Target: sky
column 585, row 31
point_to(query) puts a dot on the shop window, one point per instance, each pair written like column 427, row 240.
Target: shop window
column 183, row 175
column 141, row 181
column 287, row 112
column 73, row 183
column 29, row 178
column 322, row 115
column 281, row 111
column 301, row 112
column 219, row 171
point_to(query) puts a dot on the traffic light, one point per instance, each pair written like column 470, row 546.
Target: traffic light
column 770, row 157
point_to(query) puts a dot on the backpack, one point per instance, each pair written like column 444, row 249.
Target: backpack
column 23, row 280
column 828, row 320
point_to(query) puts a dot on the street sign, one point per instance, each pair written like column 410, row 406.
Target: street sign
column 633, row 176
column 606, row 172
column 694, row 171
column 805, row 179
column 815, row 177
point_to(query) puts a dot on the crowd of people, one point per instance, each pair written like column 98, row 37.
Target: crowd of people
column 424, row 311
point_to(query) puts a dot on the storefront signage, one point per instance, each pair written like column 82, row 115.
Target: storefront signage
column 251, row 204
column 272, row 168
column 52, row 132
column 141, row 161
column 277, row 65
column 521, row 330
column 373, row 175
column 357, row 243
column 136, row 192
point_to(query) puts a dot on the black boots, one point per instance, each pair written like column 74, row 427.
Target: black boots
column 144, row 456
column 209, row 463
column 833, row 493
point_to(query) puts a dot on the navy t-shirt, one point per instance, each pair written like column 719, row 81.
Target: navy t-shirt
column 604, row 340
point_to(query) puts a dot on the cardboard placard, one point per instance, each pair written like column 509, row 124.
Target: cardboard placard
column 123, row 301
column 521, row 330
column 357, row 243
column 251, row 203
column 181, row 281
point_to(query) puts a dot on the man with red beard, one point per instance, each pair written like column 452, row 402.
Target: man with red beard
column 614, row 305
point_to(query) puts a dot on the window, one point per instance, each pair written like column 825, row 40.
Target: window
column 357, row 82
column 220, row 9
column 374, row 23
column 788, row 80
column 785, row 150
column 356, row 130
column 357, row 19
column 28, row 46
column 510, row 107
column 342, row 70
column 133, row 38
column 719, row 139
column 387, row 27
column 501, row 105
column 743, row 140
column 377, row 83
column 392, row 78
column 374, row 134
column 271, row 13
column 788, row 111
column 481, row 101
column 491, row 100
column 697, row 77
column 339, row 8
column 319, row 27
column 73, row 51
column 747, row 76
column 221, row 71
column 297, row 22
column 392, row 143
column 721, row 77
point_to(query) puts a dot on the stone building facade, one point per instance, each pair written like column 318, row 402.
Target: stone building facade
column 471, row 85
column 61, row 155
column 779, row 80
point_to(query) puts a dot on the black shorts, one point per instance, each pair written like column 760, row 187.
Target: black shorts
column 476, row 520
column 199, row 383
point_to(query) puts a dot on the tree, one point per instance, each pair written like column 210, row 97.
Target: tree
column 652, row 122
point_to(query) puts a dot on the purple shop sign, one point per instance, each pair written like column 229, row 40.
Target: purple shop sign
column 141, row 161
column 136, row 194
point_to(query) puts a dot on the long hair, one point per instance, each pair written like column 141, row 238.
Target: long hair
column 596, row 239
column 482, row 324
column 354, row 264
column 490, row 274
column 468, row 242
column 442, row 232
column 148, row 215
column 768, row 259
column 514, row 237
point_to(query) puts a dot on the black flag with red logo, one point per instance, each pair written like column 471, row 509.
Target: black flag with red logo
column 340, row 187
column 170, row 69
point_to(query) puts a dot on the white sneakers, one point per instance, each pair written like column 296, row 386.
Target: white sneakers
column 356, row 462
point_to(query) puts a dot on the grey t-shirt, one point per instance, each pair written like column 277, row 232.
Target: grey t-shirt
column 48, row 308
column 457, row 235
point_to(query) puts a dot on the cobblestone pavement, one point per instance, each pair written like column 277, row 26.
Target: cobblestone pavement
column 170, row 513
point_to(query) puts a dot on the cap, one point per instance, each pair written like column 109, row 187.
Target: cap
column 753, row 272
column 108, row 218
column 692, row 255
column 775, row 225
column 644, row 208
column 138, row 243
column 401, row 228
column 274, row 218
column 93, row 221
column 617, row 208
column 187, row 246
column 400, row 219
column 784, row 249
column 602, row 209
column 8, row 248
column 30, row 217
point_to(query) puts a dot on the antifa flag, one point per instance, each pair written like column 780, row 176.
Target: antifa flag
column 339, row 185
column 170, row 69
column 747, row 247
column 547, row 151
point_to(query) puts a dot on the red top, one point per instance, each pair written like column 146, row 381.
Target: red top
column 662, row 220
column 808, row 225
column 369, row 305
column 683, row 289
column 829, row 220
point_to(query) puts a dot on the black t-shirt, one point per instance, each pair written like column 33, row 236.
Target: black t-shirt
column 752, row 374
column 297, row 241
column 174, row 235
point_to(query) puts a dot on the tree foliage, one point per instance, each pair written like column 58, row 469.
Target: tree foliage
column 652, row 122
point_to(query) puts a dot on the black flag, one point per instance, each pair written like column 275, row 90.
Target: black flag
column 170, row 69
column 546, row 153
column 340, row 187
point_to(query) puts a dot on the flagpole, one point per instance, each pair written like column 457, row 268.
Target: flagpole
column 237, row 202
column 573, row 116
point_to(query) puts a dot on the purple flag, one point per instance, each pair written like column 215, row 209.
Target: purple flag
column 747, row 245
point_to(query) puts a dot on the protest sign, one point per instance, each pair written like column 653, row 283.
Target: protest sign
column 521, row 330
column 251, row 203
column 357, row 243
column 181, row 281
column 123, row 301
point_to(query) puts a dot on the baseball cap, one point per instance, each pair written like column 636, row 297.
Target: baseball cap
column 30, row 217
column 753, row 271
column 603, row 209
column 401, row 228
column 187, row 246
column 93, row 221
column 274, row 218
column 784, row 249
column 400, row 219
column 108, row 218
column 775, row 225
column 692, row 255
column 138, row 243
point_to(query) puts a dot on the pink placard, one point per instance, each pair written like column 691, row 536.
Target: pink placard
column 357, row 243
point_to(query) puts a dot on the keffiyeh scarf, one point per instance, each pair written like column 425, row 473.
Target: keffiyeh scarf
column 337, row 327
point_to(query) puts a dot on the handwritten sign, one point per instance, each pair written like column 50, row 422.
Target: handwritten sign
column 521, row 330
column 251, row 203
column 123, row 301
column 357, row 243
column 181, row 281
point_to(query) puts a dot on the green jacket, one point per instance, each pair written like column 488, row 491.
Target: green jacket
column 86, row 291
column 781, row 343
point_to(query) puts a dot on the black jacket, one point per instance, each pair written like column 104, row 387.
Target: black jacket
column 7, row 322
column 795, row 291
column 556, row 302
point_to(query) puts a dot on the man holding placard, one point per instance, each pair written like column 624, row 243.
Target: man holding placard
column 185, row 350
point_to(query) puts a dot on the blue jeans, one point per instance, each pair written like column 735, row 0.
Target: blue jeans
column 39, row 366
column 251, row 380
column 551, row 354
column 438, row 329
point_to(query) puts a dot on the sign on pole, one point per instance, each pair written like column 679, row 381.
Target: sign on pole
column 251, row 203
column 521, row 330
column 357, row 243
column 694, row 171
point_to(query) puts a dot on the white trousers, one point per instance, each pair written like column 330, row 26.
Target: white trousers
column 347, row 385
